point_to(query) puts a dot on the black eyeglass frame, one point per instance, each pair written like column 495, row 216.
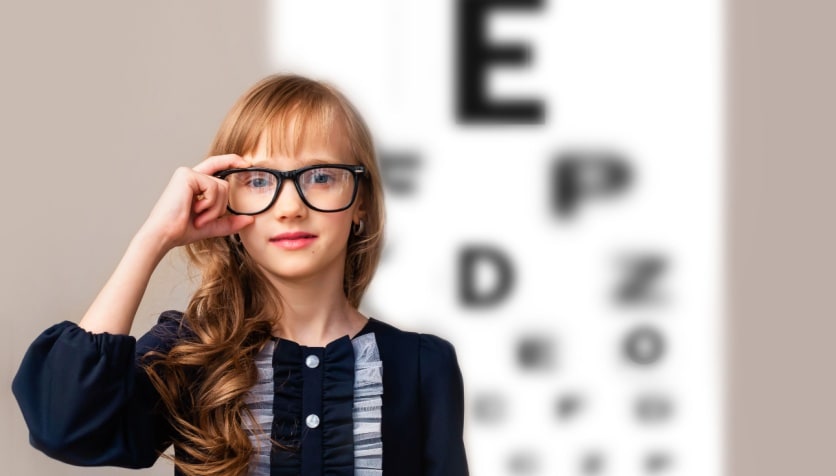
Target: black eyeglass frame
column 358, row 170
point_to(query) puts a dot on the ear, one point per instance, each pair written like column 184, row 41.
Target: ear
column 359, row 210
column 358, row 215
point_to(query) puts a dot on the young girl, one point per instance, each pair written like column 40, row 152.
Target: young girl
column 271, row 369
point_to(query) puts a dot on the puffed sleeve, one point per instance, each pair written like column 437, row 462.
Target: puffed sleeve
column 87, row 401
column 442, row 408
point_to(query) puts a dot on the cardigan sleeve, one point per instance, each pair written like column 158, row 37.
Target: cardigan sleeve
column 88, row 402
column 442, row 408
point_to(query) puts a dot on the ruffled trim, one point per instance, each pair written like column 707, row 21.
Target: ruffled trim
column 368, row 406
column 260, row 403
column 351, row 408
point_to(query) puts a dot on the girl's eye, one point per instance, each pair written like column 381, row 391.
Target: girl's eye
column 320, row 177
column 257, row 180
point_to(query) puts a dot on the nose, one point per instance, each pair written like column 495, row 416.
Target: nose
column 288, row 202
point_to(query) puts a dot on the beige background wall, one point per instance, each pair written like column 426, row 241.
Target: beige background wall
column 125, row 92
column 781, row 235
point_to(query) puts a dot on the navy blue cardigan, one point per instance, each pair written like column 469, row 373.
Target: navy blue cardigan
column 87, row 401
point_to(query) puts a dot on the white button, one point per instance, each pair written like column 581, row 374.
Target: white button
column 312, row 421
column 312, row 361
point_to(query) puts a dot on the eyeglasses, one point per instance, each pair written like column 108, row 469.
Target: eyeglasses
column 324, row 188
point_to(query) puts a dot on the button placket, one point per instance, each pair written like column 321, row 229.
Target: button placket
column 312, row 374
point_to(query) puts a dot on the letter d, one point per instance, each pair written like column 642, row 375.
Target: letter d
column 471, row 259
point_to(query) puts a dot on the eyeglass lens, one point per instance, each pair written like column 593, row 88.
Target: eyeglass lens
column 323, row 188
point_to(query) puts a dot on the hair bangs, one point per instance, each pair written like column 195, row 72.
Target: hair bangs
column 286, row 113
column 295, row 127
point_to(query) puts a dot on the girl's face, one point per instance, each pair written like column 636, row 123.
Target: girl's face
column 290, row 242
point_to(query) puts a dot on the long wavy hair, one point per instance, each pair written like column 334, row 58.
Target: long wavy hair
column 204, row 378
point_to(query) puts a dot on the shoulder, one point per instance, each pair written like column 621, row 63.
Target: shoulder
column 390, row 336
column 439, row 365
column 430, row 352
column 388, row 332
column 170, row 328
column 436, row 349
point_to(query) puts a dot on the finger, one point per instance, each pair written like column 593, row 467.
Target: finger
column 208, row 194
column 227, row 225
column 209, row 216
column 217, row 163
column 214, row 204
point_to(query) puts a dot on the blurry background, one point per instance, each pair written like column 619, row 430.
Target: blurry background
column 633, row 269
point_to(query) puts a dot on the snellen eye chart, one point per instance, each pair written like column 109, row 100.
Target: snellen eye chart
column 553, row 176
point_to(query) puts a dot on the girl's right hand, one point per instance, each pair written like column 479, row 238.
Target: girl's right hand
column 193, row 205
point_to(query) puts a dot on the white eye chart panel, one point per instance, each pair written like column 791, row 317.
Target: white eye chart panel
column 553, row 172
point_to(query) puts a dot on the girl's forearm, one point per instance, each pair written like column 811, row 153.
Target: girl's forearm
column 115, row 306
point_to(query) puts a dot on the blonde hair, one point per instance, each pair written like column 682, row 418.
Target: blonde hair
column 204, row 378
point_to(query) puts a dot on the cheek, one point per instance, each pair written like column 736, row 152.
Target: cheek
column 249, row 235
column 343, row 225
column 339, row 230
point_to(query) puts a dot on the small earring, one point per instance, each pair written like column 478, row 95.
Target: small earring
column 358, row 228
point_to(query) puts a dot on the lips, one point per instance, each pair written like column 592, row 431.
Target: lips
column 293, row 240
column 295, row 235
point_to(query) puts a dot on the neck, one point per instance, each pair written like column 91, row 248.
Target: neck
column 315, row 312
